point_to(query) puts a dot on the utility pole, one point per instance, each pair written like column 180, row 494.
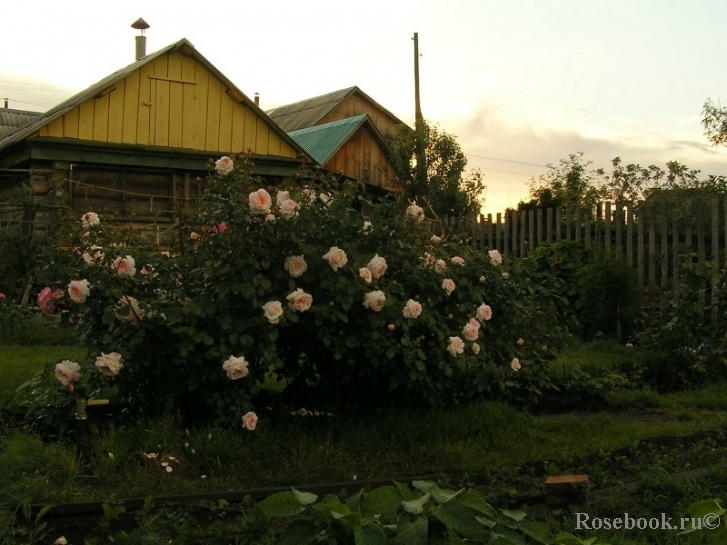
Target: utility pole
column 421, row 167
column 417, row 103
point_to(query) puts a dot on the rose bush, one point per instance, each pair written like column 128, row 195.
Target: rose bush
column 349, row 310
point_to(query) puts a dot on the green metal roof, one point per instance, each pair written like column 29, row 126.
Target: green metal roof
column 322, row 141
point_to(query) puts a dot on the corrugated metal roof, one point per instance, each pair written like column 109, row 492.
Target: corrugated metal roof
column 307, row 113
column 187, row 48
column 322, row 141
column 12, row 120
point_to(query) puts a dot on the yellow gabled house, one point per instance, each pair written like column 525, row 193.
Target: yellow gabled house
column 138, row 143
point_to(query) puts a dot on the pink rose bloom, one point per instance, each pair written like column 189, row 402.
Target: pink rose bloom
column 235, row 368
column 365, row 273
column 429, row 259
column 377, row 266
column 67, row 371
column 129, row 310
column 269, row 217
column 483, row 279
column 224, row 166
column 435, row 239
column 93, row 255
column 412, row 309
column 457, row 260
column 367, row 227
column 495, row 257
column 295, row 265
column 456, row 346
column 325, row 198
column 2, row 296
column 194, row 235
column 124, row 266
column 78, row 290
column 471, row 331
column 439, row 266
column 89, row 219
column 299, row 300
column 221, row 228
column 46, row 299
column 310, row 194
column 281, row 197
column 336, row 257
column 273, row 310
column 415, row 213
column 520, row 341
column 475, row 348
column 374, row 300
column 515, row 364
column 289, row 209
column 110, row 364
column 484, row 312
column 249, row 421
column 260, row 202
column 448, row 285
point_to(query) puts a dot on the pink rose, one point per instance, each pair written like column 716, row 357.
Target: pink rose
column 93, row 255
column 221, row 228
column 429, row 259
column 457, row 260
column 391, row 327
column 367, row 227
column 110, row 364
column 67, row 371
column 281, row 197
column 377, row 266
column 336, row 257
column 249, row 421
column 124, row 266
column 475, row 348
column 520, row 341
column 224, row 165
column 194, row 235
column 289, row 209
column 260, row 202
column 448, row 285
column 439, row 266
column 235, row 368
column 415, row 213
column 129, row 310
column 89, row 219
column 299, row 300
column 78, row 290
column 412, row 309
column 435, row 239
column 515, row 364
column 269, row 217
column 375, row 300
column 495, row 257
column 273, row 310
column 471, row 331
column 484, row 312
column 456, row 346
column 2, row 296
column 46, row 299
column 365, row 273
column 295, row 265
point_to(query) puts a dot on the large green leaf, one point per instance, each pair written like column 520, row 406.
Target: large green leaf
column 369, row 535
column 461, row 519
column 281, row 504
column 300, row 532
column 304, row 498
column 381, row 500
column 413, row 532
column 415, row 507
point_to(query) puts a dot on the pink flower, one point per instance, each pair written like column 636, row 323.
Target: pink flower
column 336, row 257
column 221, row 228
column 412, row 309
column 194, row 235
column 129, row 310
column 439, row 266
column 456, row 346
column 46, row 299
column 457, row 260
column 249, row 421
column 429, row 259
column 475, row 348
column 273, row 310
column 515, row 364
column 377, row 266
column 365, row 273
column 448, row 285
column 78, row 290
column 415, row 213
column 289, row 209
column 281, row 197
column 299, row 300
column 110, row 364
column 471, row 330
column 235, row 368
column 124, row 266
column 260, row 202
column 435, row 239
column 295, row 265
column 89, row 219
column 224, row 166
column 495, row 257
column 375, row 300
column 67, row 371
column 392, row 327
column 484, row 312
column 93, row 255
column 520, row 341
column 269, row 217
column 2, row 296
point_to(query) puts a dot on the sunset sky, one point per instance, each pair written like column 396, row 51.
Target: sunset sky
column 520, row 83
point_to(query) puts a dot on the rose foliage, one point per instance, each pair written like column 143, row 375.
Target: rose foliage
column 346, row 308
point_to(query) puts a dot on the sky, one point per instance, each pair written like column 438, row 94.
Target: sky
column 521, row 84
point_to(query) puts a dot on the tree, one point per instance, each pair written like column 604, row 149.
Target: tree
column 714, row 121
column 439, row 182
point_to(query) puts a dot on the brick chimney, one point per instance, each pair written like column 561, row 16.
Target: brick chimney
column 141, row 25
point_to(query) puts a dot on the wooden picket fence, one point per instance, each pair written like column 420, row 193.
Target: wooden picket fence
column 650, row 237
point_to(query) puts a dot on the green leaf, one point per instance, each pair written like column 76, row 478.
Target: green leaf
column 424, row 486
column 369, row 535
column 404, row 491
column 381, row 500
column 444, row 496
column 281, row 504
column 538, row 531
column 462, row 520
column 413, row 532
column 476, row 501
column 299, row 532
column 354, row 501
column 304, row 498
column 415, row 507
column 517, row 516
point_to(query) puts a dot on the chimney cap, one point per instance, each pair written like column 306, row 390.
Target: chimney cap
column 140, row 24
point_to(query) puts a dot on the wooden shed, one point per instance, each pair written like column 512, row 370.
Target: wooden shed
column 138, row 142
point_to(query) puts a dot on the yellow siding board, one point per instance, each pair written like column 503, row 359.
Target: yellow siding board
column 287, row 150
column 116, row 113
column 101, row 119
column 250, row 130
column 238, row 129
column 273, row 143
column 70, row 123
column 190, row 98
column 145, row 106
column 160, row 100
column 261, row 138
column 203, row 77
column 176, row 100
column 132, row 107
column 54, row 128
column 227, row 106
column 85, row 120
column 212, row 134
